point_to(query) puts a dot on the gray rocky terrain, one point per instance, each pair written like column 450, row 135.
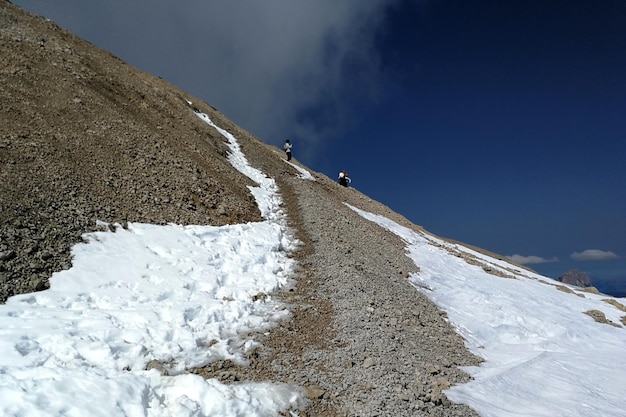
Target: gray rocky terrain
column 575, row 277
column 86, row 137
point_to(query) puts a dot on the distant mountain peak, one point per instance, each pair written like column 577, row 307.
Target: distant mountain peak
column 575, row 277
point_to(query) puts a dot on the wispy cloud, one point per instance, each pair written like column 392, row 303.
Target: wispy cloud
column 593, row 255
column 523, row 260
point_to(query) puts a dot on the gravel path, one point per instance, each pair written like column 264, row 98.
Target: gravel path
column 362, row 340
column 387, row 350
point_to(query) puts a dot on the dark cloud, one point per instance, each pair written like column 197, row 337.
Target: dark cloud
column 275, row 66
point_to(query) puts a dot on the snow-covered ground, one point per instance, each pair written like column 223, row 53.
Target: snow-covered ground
column 183, row 296
column 543, row 355
column 304, row 174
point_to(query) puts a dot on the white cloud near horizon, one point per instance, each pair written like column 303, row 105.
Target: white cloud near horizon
column 593, row 255
column 267, row 65
column 532, row 259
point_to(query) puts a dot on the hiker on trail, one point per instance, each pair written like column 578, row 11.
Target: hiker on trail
column 344, row 179
column 287, row 148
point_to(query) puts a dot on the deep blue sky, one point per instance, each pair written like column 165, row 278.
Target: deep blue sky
column 497, row 123
column 505, row 127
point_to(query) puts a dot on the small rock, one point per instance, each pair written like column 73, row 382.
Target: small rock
column 432, row 369
column 38, row 284
column 154, row 364
column 7, row 255
column 442, row 383
column 260, row 296
column 368, row 362
column 314, row 392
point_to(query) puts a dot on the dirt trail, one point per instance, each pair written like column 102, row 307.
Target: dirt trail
column 362, row 341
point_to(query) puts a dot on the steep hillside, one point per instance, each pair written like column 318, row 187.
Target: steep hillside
column 84, row 137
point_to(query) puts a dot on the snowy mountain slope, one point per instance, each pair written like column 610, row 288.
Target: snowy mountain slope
column 549, row 349
column 196, row 274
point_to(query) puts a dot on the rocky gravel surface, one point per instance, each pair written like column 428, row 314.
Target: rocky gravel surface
column 85, row 137
column 392, row 352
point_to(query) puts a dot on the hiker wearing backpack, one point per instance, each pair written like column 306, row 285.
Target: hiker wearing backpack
column 344, row 179
column 287, row 148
